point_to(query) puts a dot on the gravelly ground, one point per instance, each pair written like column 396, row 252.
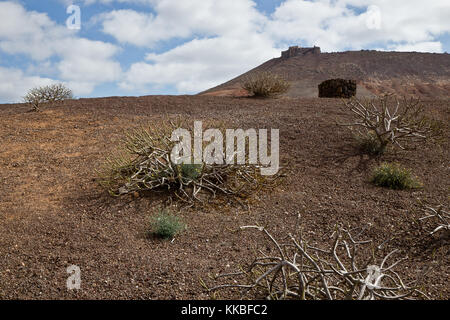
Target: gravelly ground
column 53, row 214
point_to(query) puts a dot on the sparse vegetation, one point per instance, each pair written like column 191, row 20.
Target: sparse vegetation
column 166, row 225
column 393, row 176
column 265, row 85
column 368, row 143
column 391, row 121
column 47, row 95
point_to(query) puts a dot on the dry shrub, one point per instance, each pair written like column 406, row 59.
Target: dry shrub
column 389, row 120
column 344, row 269
column 265, row 85
column 144, row 164
column 436, row 221
column 47, row 95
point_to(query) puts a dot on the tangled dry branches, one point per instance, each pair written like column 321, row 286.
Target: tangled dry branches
column 391, row 120
column 301, row 271
column 47, row 94
column 146, row 165
column 439, row 220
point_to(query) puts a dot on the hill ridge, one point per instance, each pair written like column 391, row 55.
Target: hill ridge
column 425, row 75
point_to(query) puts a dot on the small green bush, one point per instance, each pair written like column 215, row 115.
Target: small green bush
column 166, row 225
column 394, row 177
column 266, row 85
column 191, row 171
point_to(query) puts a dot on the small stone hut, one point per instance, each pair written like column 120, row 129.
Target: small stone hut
column 337, row 88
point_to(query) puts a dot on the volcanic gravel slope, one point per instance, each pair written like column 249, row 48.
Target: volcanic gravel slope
column 425, row 75
column 53, row 214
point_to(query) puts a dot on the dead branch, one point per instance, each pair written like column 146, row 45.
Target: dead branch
column 146, row 165
column 439, row 220
column 302, row 271
column 392, row 120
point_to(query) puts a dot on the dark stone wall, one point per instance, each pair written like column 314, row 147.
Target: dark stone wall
column 337, row 88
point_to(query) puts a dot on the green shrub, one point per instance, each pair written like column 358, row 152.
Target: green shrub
column 394, row 177
column 266, row 85
column 47, row 94
column 166, row 225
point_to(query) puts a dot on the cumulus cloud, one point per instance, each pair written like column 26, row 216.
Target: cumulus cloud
column 430, row 46
column 81, row 62
column 200, row 63
column 14, row 83
column 333, row 24
column 336, row 25
column 231, row 37
column 182, row 19
column 219, row 39
column 228, row 39
column 88, row 60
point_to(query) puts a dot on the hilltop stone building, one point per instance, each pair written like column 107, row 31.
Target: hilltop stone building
column 299, row 51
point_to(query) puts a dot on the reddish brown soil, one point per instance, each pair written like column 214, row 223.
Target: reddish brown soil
column 53, row 214
column 424, row 75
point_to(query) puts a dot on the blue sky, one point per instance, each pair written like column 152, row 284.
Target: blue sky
column 140, row 47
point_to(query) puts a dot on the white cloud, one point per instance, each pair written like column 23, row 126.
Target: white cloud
column 200, row 64
column 14, row 84
column 334, row 25
column 30, row 32
column 228, row 41
column 232, row 36
column 182, row 19
column 222, row 38
column 430, row 46
column 88, row 61
column 81, row 62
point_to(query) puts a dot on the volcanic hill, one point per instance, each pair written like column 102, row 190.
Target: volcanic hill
column 424, row 75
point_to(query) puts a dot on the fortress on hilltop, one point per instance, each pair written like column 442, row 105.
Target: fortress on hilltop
column 299, row 51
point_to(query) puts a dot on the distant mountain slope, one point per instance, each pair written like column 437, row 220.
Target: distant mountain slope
column 425, row 75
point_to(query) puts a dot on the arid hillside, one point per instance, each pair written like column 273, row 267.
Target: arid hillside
column 425, row 75
column 53, row 214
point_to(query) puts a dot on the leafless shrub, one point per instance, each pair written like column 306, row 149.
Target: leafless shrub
column 391, row 121
column 265, row 85
column 145, row 165
column 299, row 270
column 438, row 221
column 47, row 94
